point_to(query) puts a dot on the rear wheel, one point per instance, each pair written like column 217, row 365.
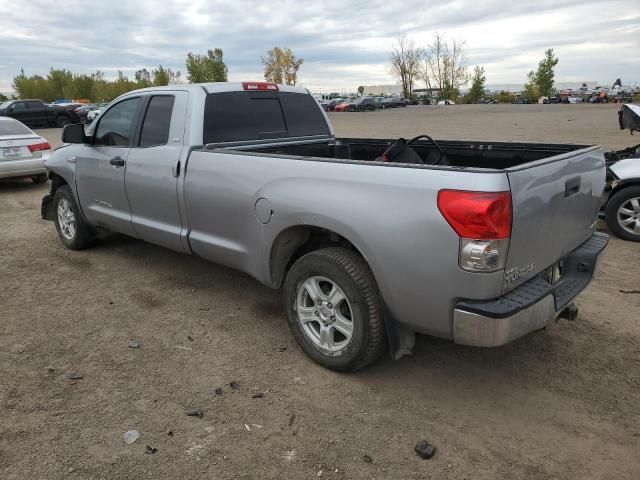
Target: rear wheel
column 62, row 120
column 623, row 213
column 334, row 309
column 73, row 231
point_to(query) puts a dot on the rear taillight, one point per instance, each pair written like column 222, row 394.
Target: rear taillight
column 482, row 220
column 39, row 147
column 260, row 86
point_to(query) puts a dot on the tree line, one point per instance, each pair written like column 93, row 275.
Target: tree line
column 442, row 67
column 280, row 66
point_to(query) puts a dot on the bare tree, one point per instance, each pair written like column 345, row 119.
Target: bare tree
column 447, row 64
column 405, row 64
column 424, row 69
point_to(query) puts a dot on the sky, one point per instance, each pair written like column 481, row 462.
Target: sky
column 344, row 43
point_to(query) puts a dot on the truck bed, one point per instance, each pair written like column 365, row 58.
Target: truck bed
column 461, row 154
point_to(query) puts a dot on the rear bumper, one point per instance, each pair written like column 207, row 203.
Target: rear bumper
column 22, row 168
column 530, row 306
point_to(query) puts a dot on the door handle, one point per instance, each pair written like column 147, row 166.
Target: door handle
column 117, row 161
column 571, row 187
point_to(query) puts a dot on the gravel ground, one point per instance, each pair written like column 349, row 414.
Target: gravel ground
column 563, row 403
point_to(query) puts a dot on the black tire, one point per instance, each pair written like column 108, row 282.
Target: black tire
column 611, row 212
column 83, row 233
column 39, row 178
column 352, row 275
column 62, row 121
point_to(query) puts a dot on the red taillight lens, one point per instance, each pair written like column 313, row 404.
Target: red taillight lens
column 38, row 147
column 260, row 86
column 477, row 215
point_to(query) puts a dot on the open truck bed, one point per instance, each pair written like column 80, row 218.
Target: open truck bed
column 457, row 153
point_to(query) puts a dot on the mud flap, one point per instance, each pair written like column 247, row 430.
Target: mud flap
column 401, row 340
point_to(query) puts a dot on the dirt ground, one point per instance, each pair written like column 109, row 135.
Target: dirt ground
column 563, row 403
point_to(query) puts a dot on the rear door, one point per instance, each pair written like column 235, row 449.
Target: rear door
column 38, row 113
column 555, row 208
column 100, row 167
column 153, row 170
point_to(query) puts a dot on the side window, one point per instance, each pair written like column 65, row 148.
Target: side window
column 19, row 107
column 34, row 105
column 157, row 120
column 115, row 127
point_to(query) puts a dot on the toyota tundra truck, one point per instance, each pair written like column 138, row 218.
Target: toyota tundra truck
column 370, row 240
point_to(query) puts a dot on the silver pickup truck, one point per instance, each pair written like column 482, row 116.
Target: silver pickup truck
column 371, row 240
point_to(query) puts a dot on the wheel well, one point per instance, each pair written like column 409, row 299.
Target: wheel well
column 294, row 242
column 56, row 182
column 634, row 182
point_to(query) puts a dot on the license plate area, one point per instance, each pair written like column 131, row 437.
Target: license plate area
column 11, row 152
column 554, row 274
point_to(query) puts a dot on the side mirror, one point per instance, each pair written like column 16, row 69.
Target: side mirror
column 74, row 133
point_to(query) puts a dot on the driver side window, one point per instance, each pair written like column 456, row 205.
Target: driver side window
column 116, row 124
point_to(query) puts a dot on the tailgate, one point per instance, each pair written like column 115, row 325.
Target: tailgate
column 555, row 207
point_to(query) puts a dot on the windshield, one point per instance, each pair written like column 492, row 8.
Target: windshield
column 5, row 105
column 12, row 127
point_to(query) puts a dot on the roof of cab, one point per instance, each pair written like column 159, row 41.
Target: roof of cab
column 218, row 87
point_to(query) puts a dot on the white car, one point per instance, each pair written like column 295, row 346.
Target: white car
column 93, row 114
column 22, row 151
column 446, row 102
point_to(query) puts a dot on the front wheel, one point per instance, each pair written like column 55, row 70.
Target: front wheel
column 74, row 232
column 334, row 309
column 623, row 213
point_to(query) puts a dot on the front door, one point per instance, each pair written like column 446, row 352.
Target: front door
column 154, row 169
column 100, row 168
column 21, row 113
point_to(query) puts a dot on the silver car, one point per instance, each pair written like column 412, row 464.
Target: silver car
column 22, row 151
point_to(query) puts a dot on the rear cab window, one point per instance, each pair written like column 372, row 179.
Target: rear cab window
column 157, row 121
column 245, row 116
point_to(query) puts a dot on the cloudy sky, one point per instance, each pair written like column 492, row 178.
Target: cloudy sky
column 344, row 43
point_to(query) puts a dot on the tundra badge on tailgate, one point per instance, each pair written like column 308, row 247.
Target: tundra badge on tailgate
column 516, row 272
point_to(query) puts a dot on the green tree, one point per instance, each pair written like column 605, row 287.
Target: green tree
column 531, row 90
column 478, row 81
column 206, row 68
column 3, row 97
column 143, row 78
column 504, row 97
column 165, row 76
column 541, row 82
column 360, row 89
column 281, row 66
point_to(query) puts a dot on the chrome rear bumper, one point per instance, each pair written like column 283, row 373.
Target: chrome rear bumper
column 530, row 306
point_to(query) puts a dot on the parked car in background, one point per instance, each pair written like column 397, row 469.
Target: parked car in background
column 371, row 240
column 446, row 101
column 330, row 105
column 520, row 100
column 83, row 110
column 393, row 102
column 621, row 199
column 551, row 99
column 343, row 106
column 37, row 113
column 93, row 114
column 22, row 151
column 488, row 101
column 362, row 104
